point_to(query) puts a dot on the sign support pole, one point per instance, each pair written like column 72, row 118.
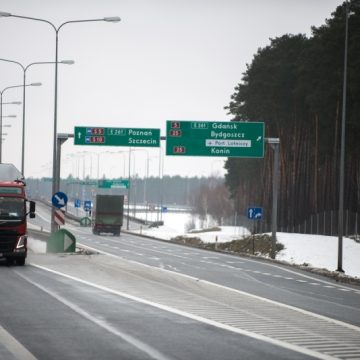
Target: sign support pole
column 61, row 138
column 128, row 205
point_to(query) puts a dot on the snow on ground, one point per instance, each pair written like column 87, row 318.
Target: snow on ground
column 320, row 251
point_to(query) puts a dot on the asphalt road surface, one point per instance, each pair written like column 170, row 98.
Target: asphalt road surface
column 140, row 298
column 46, row 315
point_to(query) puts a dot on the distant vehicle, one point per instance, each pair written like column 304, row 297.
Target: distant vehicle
column 107, row 214
column 14, row 207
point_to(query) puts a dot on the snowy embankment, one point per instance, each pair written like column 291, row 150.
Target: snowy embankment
column 314, row 250
column 320, row 251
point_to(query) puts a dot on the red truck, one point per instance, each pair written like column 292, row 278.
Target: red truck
column 14, row 208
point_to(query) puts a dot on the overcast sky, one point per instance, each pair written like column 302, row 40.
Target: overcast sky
column 166, row 59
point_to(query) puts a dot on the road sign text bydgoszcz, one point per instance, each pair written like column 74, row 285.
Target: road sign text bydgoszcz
column 134, row 137
column 215, row 138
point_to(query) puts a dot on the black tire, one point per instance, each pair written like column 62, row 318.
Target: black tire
column 9, row 261
column 20, row 261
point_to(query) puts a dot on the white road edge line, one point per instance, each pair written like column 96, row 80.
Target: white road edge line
column 153, row 353
column 14, row 346
column 263, row 263
column 305, row 312
column 171, row 310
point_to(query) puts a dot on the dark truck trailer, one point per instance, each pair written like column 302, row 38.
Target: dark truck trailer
column 107, row 215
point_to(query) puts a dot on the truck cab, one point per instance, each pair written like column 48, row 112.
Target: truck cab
column 14, row 209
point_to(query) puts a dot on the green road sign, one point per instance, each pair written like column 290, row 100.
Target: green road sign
column 215, row 138
column 111, row 184
column 85, row 221
column 134, row 137
column 61, row 241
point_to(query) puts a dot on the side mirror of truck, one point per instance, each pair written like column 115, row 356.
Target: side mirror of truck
column 32, row 209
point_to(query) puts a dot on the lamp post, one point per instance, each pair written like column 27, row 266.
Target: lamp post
column 1, row 104
column 56, row 177
column 342, row 146
column 24, row 69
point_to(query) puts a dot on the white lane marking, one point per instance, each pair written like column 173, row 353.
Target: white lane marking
column 252, row 261
column 14, row 347
column 279, row 343
column 304, row 275
column 153, row 353
column 338, row 322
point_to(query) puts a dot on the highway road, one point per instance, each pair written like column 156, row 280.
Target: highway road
column 140, row 298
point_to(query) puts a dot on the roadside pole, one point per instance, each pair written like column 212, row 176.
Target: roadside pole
column 275, row 145
column 128, row 195
column 61, row 138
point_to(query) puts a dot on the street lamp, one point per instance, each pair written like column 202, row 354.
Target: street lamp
column 342, row 146
column 1, row 104
column 56, row 177
column 24, row 69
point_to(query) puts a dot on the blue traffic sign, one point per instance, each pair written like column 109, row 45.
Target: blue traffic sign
column 77, row 203
column 87, row 205
column 59, row 199
column 255, row 213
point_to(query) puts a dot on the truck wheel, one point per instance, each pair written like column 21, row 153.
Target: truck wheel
column 20, row 261
column 9, row 261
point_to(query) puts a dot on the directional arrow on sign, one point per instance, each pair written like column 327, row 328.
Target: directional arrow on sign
column 255, row 213
column 61, row 241
column 59, row 199
column 68, row 241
